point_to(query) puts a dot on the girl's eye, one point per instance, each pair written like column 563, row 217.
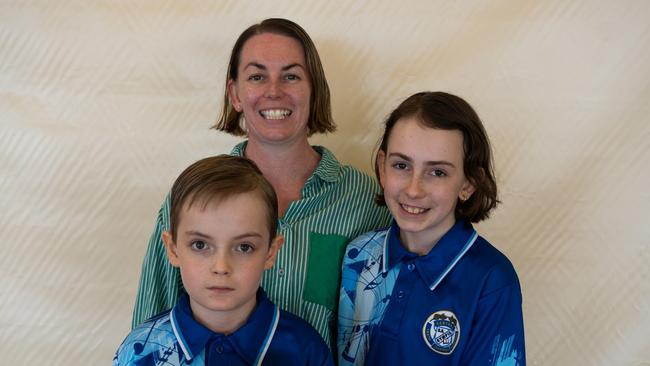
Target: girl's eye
column 400, row 166
column 199, row 245
column 245, row 248
column 438, row 173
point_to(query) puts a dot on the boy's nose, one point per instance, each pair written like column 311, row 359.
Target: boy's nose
column 221, row 264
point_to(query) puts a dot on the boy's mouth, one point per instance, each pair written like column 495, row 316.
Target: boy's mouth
column 220, row 289
column 413, row 210
column 279, row 113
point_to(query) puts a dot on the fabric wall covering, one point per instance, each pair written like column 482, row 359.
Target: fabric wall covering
column 103, row 103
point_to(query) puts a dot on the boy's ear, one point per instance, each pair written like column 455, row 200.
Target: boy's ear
column 232, row 95
column 379, row 162
column 276, row 244
column 170, row 248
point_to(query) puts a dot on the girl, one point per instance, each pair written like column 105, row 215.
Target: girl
column 429, row 290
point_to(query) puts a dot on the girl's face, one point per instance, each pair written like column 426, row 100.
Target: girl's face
column 422, row 175
column 272, row 89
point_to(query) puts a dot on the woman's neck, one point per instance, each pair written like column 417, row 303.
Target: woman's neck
column 286, row 167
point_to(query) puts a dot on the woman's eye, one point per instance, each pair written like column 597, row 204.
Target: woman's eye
column 292, row 77
column 199, row 245
column 255, row 77
column 245, row 248
column 400, row 166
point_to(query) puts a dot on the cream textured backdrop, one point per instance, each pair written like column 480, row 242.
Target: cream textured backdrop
column 103, row 103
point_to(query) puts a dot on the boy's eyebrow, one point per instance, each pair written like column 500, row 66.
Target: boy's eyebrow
column 240, row 236
column 263, row 67
column 248, row 235
column 198, row 233
column 432, row 162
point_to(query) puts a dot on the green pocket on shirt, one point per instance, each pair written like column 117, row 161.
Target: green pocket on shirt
column 324, row 269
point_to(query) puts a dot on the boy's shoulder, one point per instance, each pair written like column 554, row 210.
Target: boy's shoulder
column 296, row 342
column 295, row 328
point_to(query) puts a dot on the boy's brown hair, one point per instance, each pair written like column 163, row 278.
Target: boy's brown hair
column 217, row 178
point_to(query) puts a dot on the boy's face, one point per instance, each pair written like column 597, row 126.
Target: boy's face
column 222, row 251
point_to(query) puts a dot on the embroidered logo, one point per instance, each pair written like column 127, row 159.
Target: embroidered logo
column 441, row 332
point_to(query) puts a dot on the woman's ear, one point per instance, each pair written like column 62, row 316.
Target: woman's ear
column 276, row 244
column 232, row 95
column 170, row 248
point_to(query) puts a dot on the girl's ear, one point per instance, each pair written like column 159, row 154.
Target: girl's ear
column 232, row 95
column 468, row 188
column 276, row 244
column 170, row 248
column 379, row 162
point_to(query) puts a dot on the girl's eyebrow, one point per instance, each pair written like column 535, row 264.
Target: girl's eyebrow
column 263, row 67
column 430, row 163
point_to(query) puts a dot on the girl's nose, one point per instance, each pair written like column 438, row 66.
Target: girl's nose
column 414, row 187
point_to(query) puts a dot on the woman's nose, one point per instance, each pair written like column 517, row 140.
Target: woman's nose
column 274, row 89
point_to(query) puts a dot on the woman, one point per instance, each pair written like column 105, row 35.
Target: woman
column 277, row 95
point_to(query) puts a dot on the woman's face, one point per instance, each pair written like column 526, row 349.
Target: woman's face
column 272, row 89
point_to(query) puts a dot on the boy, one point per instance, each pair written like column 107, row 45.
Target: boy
column 222, row 237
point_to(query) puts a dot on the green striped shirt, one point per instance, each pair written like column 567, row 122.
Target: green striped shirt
column 337, row 205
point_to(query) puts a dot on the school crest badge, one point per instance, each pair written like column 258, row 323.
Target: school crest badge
column 441, row 332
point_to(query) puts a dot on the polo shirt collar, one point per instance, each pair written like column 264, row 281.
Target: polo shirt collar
column 328, row 169
column 251, row 341
column 442, row 258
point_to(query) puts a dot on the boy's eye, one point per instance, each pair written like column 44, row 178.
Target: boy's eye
column 199, row 245
column 245, row 248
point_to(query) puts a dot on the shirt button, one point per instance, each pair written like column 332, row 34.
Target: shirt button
column 411, row 266
column 400, row 295
column 219, row 349
column 281, row 272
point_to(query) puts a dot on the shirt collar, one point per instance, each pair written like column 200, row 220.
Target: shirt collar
column 442, row 258
column 251, row 341
column 328, row 169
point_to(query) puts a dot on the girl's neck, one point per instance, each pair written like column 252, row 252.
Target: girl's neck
column 422, row 242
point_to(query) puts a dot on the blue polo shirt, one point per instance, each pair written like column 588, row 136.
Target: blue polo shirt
column 269, row 337
column 458, row 305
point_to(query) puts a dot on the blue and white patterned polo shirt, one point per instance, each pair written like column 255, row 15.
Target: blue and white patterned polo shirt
column 269, row 337
column 458, row 305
